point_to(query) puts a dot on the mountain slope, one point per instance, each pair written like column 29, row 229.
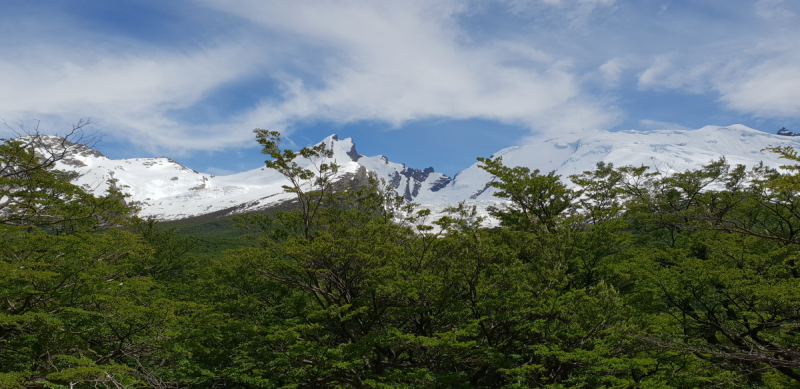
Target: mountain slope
column 169, row 191
column 676, row 150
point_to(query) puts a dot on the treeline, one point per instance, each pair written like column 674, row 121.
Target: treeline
column 633, row 278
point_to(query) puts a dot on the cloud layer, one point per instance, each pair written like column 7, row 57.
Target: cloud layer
column 347, row 61
column 548, row 65
column 403, row 61
column 752, row 64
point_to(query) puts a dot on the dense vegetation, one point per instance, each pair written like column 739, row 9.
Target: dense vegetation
column 632, row 279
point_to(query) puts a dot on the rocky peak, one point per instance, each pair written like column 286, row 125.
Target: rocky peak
column 413, row 182
column 342, row 147
column 416, row 174
column 67, row 152
column 783, row 131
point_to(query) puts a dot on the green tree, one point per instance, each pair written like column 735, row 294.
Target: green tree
column 76, row 307
column 718, row 269
column 310, row 186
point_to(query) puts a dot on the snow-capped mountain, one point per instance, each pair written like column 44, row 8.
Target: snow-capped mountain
column 167, row 190
column 675, row 150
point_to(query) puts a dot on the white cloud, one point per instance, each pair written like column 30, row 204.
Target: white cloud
column 671, row 71
column 768, row 89
column 575, row 6
column 523, row 5
column 654, row 75
column 403, row 61
column 773, row 10
column 576, row 11
column 762, row 79
column 748, row 62
column 339, row 61
column 131, row 94
column 612, row 71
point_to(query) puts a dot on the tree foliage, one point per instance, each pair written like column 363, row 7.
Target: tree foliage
column 76, row 307
column 623, row 277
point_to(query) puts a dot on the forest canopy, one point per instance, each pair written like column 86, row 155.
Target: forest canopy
column 616, row 277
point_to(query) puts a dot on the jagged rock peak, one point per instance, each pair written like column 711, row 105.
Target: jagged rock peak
column 345, row 146
column 783, row 131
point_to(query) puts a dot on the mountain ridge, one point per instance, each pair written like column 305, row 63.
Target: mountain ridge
column 168, row 190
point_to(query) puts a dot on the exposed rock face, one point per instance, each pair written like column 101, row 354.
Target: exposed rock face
column 479, row 192
column 440, row 183
column 352, row 180
column 353, row 154
column 414, row 180
column 785, row 132
column 418, row 178
column 395, row 180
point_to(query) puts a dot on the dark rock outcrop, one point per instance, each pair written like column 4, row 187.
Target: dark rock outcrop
column 440, row 183
column 785, row 132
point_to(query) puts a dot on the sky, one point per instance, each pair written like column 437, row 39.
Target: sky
column 426, row 83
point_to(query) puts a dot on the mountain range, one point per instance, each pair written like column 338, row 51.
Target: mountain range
column 167, row 190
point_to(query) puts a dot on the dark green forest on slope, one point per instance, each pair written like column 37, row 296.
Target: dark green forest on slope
column 634, row 278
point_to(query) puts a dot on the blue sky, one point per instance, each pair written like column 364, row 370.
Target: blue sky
column 427, row 83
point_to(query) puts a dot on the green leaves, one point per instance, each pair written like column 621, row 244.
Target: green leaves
column 537, row 201
column 628, row 279
column 77, row 301
column 33, row 194
column 311, row 187
column 365, row 302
